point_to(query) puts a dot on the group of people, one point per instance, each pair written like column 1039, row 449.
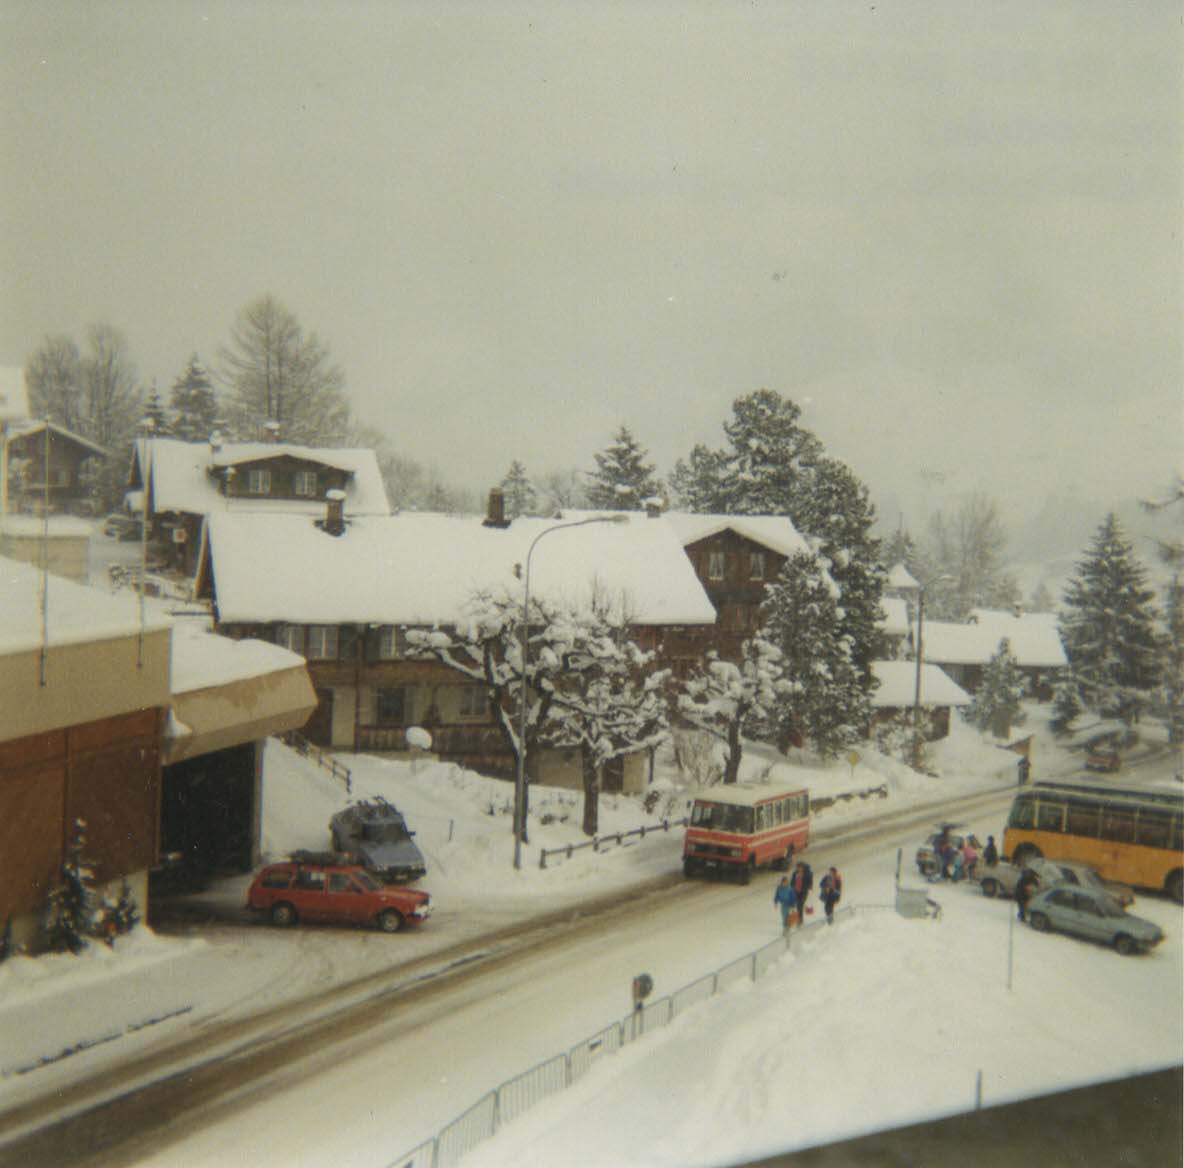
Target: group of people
column 962, row 863
column 793, row 892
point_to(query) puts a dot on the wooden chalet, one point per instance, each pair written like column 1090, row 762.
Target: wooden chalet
column 178, row 484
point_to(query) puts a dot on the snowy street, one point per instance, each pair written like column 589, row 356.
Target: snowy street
column 939, row 988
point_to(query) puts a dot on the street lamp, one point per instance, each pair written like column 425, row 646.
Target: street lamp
column 520, row 778
column 944, row 578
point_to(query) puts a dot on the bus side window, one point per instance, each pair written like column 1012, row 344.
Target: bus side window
column 1082, row 819
column 799, row 806
column 1023, row 813
column 1050, row 816
column 1153, row 828
column 1118, row 825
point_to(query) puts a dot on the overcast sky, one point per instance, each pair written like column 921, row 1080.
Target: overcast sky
column 950, row 231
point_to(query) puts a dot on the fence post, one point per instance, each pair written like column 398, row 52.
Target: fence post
column 754, row 967
column 978, row 1092
column 542, row 857
column 567, row 1069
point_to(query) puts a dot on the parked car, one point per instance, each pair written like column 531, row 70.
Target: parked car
column 319, row 886
column 928, row 859
column 120, row 526
column 1093, row 914
column 376, row 833
column 1003, row 877
column 1104, row 759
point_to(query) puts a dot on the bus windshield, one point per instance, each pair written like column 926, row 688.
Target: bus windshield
column 722, row 817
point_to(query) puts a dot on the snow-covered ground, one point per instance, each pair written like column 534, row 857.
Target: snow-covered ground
column 878, row 1021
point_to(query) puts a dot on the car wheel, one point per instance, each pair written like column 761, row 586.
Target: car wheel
column 283, row 914
column 990, row 887
column 1124, row 944
column 1025, row 854
column 1174, row 886
column 1041, row 923
column 389, row 921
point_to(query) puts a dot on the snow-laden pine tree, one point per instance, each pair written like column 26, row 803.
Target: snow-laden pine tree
column 760, row 470
column 1171, row 666
column 193, row 402
column 1107, row 626
column 824, row 698
column 517, row 491
column 74, row 912
column 997, row 704
column 624, row 478
column 836, row 510
column 155, row 421
column 730, row 699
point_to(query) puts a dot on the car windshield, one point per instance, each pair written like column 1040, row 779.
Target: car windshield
column 722, row 817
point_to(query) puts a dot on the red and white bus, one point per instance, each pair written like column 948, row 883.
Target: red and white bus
column 739, row 828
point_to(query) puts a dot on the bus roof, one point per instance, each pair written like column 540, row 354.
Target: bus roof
column 1156, row 796
column 746, row 794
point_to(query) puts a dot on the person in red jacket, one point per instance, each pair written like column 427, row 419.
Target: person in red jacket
column 801, row 882
column 831, row 891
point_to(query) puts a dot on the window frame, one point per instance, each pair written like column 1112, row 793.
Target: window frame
column 259, row 481
column 304, row 484
column 322, row 642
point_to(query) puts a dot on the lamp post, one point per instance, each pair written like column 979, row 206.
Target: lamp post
column 520, row 778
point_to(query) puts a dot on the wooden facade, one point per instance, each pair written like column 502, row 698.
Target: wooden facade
column 106, row 773
column 46, row 461
column 734, row 571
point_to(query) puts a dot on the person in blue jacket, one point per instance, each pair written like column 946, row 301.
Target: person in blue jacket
column 786, row 901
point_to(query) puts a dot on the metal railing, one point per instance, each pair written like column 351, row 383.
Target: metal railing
column 516, row 1096
column 303, row 747
column 598, row 842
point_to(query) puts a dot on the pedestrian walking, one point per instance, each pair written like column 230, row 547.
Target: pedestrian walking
column 831, row 891
column 786, row 901
column 990, row 853
column 1023, row 891
column 801, row 882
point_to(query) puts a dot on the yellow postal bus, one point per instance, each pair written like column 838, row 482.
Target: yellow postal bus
column 1130, row 834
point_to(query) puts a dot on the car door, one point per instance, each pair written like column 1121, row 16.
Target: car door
column 344, row 900
column 1093, row 924
column 308, row 893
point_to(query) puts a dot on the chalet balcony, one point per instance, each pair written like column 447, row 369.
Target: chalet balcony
column 479, row 746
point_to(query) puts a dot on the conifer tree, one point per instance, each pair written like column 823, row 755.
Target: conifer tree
column 155, row 419
column 1107, row 626
column 623, row 480
column 824, row 697
column 74, row 913
column 1172, row 660
column 997, row 704
column 194, row 404
column 517, row 491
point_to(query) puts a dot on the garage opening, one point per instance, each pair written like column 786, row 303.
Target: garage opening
column 209, row 816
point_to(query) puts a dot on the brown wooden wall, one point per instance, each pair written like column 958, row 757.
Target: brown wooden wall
column 106, row 773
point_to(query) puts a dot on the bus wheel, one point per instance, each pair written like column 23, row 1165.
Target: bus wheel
column 690, row 868
column 1025, row 854
column 1174, row 886
column 785, row 862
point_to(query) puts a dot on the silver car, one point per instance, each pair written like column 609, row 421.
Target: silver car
column 1001, row 879
column 1094, row 915
column 377, row 834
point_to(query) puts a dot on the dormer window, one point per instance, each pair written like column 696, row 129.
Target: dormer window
column 259, row 482
column 304, row 484
column 715, row 565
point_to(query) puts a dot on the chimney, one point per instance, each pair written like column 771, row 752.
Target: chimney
column 653, row 507
column 495, row 511
column 271, row 432
column 335, row 513
column 215, row 441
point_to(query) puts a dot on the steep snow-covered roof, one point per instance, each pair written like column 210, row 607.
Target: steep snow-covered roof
column 896, row 616
column 898, row 686
column 415, row 569
column 1033, row 638
column 900, row 579
column 178, row 472
column 26, row 426
column 775, row 532
column 76, row 613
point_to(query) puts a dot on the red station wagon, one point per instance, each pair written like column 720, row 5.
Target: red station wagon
column 314, row 887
